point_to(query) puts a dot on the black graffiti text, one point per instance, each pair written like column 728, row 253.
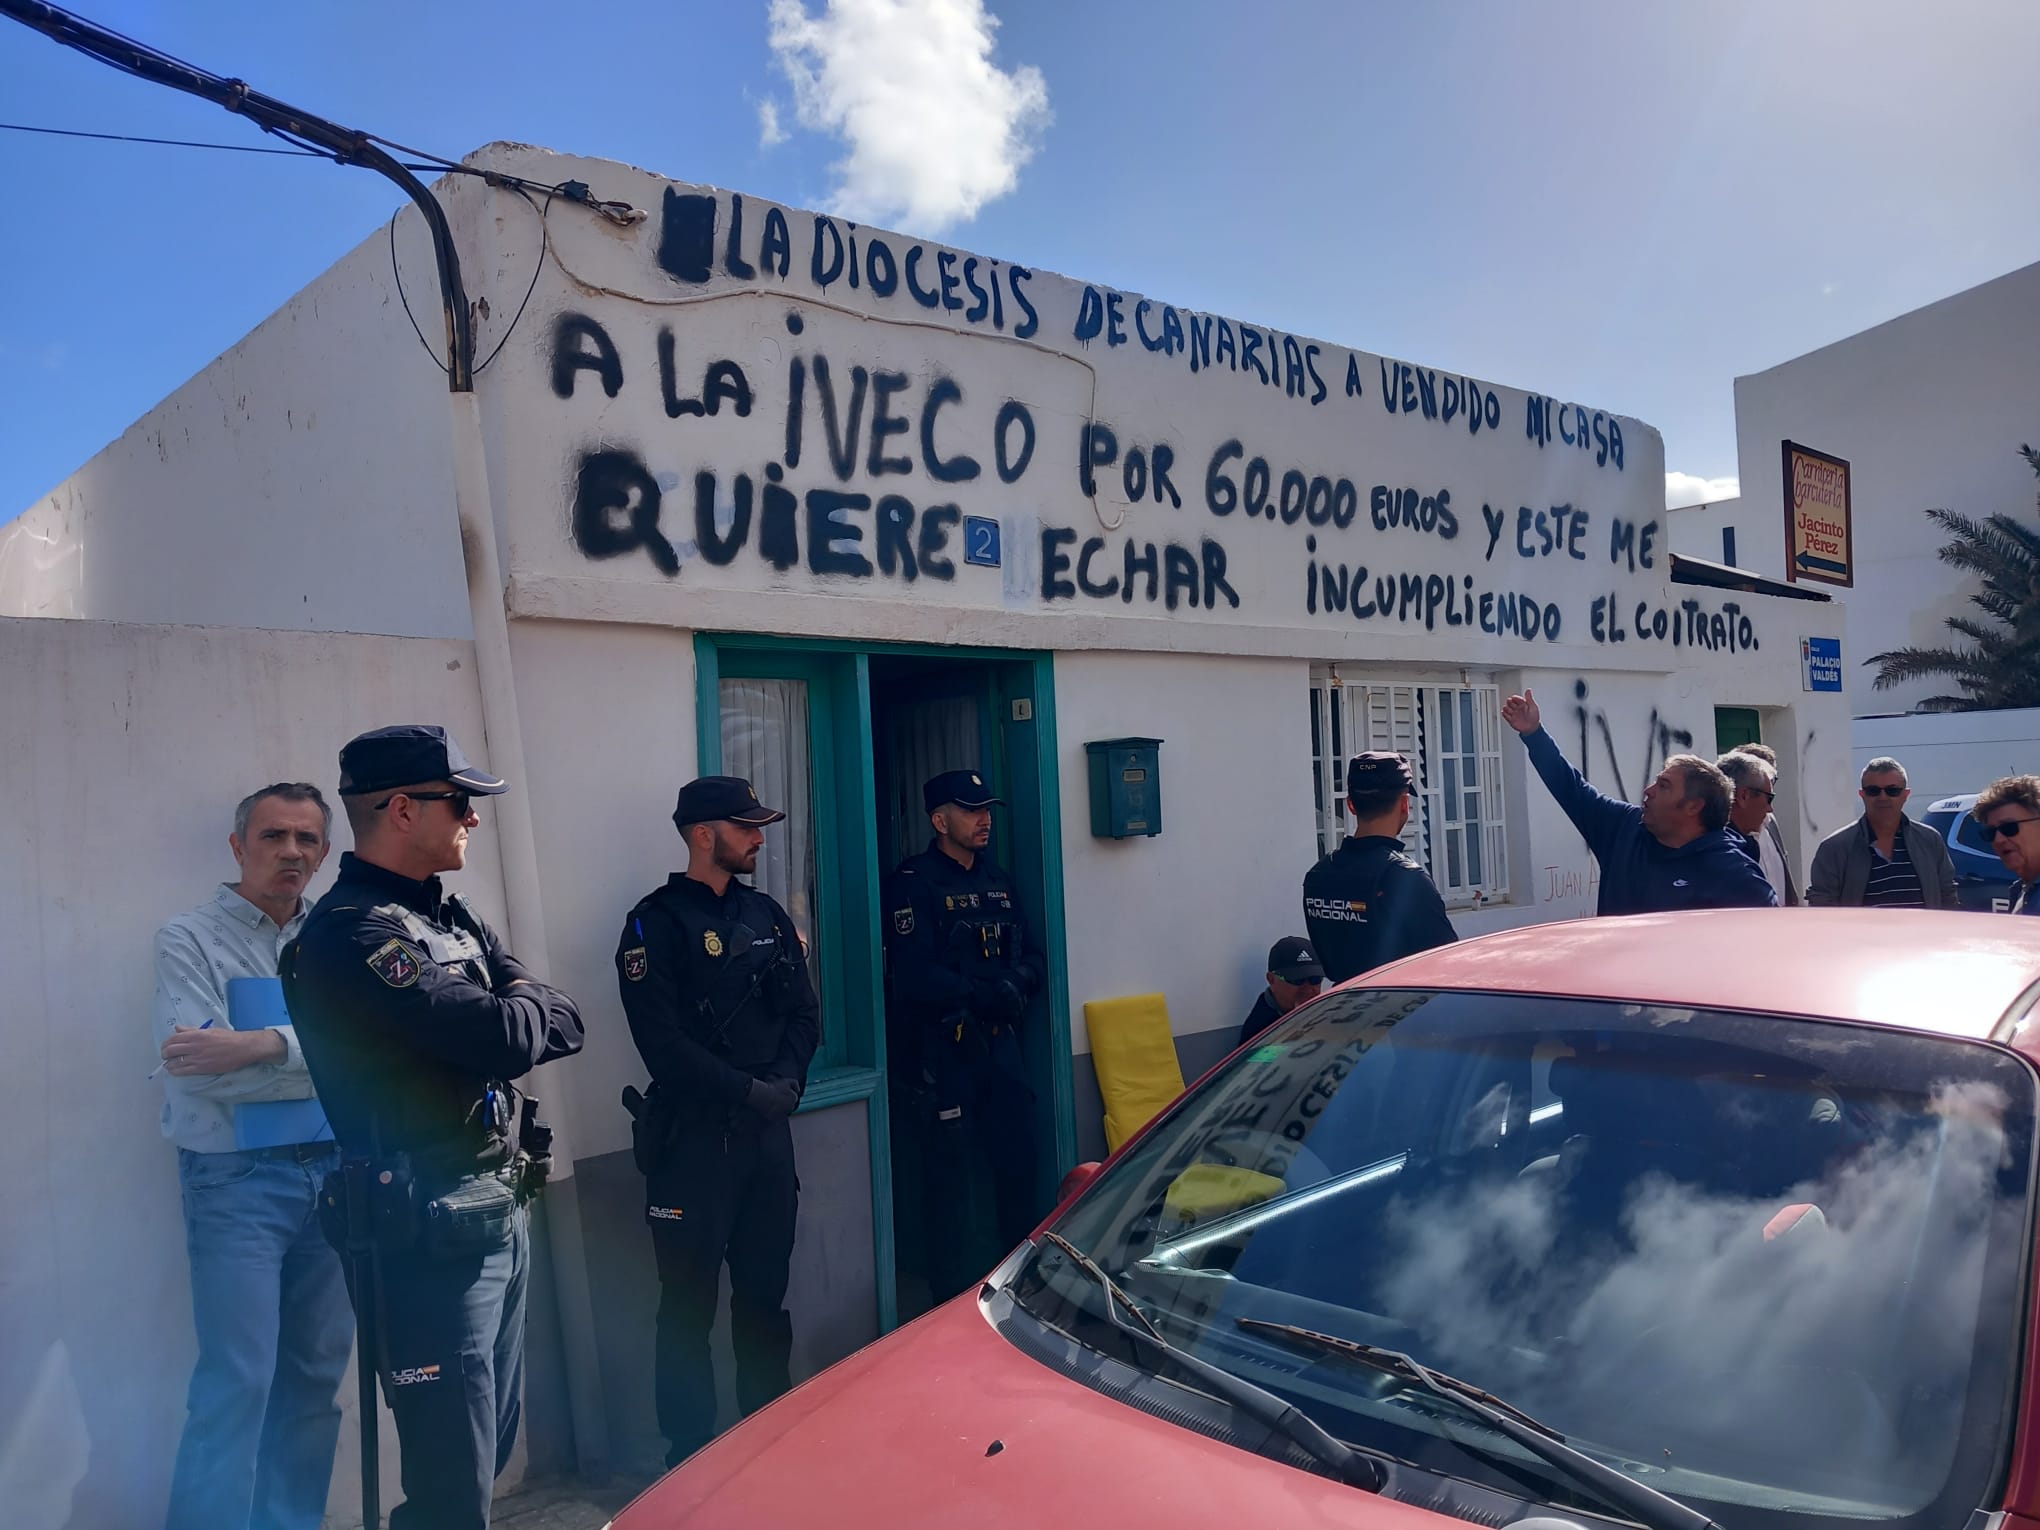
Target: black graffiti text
column 619, row 508
column 1420, row 390
column 697, row 242
column 1365, row 594
column 1167, row 572
column 1546, row 420
column 1689, row 624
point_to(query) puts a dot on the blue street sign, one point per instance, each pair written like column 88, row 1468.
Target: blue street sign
column 1821, row 659
column 981, row 540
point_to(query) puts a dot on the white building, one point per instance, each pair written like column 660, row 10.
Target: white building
column 757, row 489
column 1929, row 411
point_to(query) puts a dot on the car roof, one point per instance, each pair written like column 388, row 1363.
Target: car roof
column 1949, row 971
column 1956, row 804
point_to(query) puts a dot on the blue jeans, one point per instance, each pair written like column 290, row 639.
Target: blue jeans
column 274, row 1333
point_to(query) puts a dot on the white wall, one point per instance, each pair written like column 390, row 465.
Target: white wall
column 1192, row 911
column 1947, row 754
column 302, row 481
column 129, row 747
column 1929, row 411
column 608, row 715
column 1695, row 530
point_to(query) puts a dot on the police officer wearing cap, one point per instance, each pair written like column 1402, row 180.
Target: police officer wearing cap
column 961, row 971
column 1367, row 902
column 715, row 985
column 414, row 1021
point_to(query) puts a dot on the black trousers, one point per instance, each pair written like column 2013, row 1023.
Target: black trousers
column 451, row 1342
column 973, row 1115
column 719, row 1198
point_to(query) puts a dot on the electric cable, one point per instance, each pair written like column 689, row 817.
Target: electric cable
column 174, row 143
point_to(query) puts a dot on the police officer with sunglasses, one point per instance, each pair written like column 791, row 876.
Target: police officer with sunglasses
column 715, row 986
column 414, row 1022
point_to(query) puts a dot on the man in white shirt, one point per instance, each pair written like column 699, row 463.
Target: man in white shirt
column 269, row 1299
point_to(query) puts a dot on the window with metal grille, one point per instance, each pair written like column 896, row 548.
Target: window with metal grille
column 1451, row 735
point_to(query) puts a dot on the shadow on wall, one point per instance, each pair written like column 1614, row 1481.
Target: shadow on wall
column 44, row 1446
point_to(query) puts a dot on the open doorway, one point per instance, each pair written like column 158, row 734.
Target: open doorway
column 937, row 712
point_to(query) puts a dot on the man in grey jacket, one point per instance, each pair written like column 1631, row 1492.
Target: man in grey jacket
column 1883, row 859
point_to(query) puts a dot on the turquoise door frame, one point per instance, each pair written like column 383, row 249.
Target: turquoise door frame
column 851, row 1066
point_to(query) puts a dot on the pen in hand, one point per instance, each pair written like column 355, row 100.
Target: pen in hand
column 160, row 1066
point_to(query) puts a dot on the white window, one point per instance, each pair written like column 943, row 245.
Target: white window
column 1451, row 735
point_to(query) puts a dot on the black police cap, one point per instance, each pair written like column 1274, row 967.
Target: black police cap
column 406, row 755
column 965, row 788
column 1372, row 773
column 716, row 799
column 1294, row 960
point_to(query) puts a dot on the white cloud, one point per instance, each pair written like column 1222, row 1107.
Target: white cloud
column 935, row 130
column 769, row 130
column 1686, row 489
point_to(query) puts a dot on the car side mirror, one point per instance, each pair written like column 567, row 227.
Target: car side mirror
column 1075, row 1181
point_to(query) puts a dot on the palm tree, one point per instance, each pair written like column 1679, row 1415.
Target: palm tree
column 2000, row 667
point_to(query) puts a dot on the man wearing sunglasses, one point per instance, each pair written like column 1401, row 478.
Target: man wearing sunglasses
column 1771, row 855
column 1752, row 789
column 413, row 1020
column 2009, row 809
column 714, row 983
column 1883, row 859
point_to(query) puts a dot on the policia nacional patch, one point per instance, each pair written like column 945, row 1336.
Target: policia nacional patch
column 395, row 963
column 903, row 920
column 636, row 964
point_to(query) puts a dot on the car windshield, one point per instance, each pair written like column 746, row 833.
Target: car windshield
column 1758, row 1261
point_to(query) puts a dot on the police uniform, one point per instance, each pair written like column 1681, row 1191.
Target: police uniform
column 960, row 972
column 1368, row 902
column 715, row 987
column 414, row 1020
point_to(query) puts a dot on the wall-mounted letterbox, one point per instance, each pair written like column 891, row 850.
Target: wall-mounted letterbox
column 1126, row 787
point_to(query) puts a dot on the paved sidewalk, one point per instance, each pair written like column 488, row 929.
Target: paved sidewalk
column 563, row 1503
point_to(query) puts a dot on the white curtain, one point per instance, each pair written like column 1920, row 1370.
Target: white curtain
column 928, row 737
column 765, row 740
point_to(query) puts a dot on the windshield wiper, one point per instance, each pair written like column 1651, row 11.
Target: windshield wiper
column 1257, row 1403
column 1645, row 1504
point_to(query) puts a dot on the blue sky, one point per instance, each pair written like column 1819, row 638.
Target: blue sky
column 1628, row 204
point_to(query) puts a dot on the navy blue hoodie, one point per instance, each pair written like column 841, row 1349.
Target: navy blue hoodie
column 1638, row 874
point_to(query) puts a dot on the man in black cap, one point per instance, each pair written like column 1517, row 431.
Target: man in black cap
column 961, row 972
column 413, row 1019
column 1294, row 975
column 1367, row 902
column 715, row 986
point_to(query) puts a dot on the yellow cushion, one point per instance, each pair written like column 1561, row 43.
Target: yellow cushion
column 1213, row 1189
column 1135, row 1057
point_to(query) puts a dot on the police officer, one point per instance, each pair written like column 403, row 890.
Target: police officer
column 413, row 1020
column 961, row 972
column 1367, row 902
column 715, row 986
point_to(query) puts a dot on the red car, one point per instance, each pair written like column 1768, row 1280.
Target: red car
column 1668, row 1220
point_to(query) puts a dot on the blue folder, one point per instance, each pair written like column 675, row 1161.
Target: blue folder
column 252, row 1004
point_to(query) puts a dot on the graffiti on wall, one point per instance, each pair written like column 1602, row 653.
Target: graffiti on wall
column 875, row 469
column 711, row 237
column 1661, row 742
column 817, row 445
